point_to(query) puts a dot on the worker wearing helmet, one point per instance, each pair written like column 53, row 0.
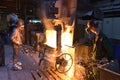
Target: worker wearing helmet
column 102, row 46
column 17, row 41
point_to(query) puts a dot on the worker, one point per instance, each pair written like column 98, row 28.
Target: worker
column 101, row 50
column 17, row 41
column 102, row 47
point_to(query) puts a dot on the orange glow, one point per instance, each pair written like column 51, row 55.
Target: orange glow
column 65, row 10
column 51, row 38
column 67, row 40
column 71, row 51
column 66, row 43
column 67, row 37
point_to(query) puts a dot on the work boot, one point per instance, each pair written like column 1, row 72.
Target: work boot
column 17, row 67
column 19, row 63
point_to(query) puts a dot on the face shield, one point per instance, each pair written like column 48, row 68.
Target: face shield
column 87, row 30
column 22, row 27
column 92, row 25
column 21, row 24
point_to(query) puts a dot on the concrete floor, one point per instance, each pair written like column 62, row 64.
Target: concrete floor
column 31, row 70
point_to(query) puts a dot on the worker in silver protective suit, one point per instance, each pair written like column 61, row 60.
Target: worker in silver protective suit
column 17, row 41
column 101, row 47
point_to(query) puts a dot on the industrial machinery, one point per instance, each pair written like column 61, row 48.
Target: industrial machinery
column 63, row 62
column 60, row 19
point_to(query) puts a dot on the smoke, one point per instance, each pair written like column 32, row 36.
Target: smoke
column 42, row 14
column 64, row 8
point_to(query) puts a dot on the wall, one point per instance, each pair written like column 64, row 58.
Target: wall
column 3, row 21
column 111, row 27
column 110, row 23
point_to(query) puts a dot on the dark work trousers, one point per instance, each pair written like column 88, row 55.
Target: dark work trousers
column 16, row 51
column 2, row 55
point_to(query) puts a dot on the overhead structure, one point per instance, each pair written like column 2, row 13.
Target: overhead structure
column 86, row 11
